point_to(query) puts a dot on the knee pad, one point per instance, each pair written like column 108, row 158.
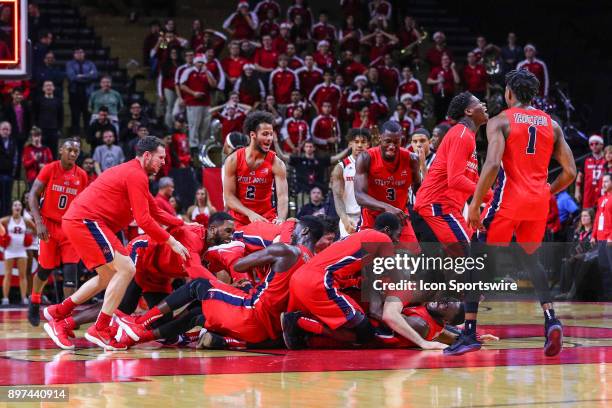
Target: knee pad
column 43, row 274
column 71, row 275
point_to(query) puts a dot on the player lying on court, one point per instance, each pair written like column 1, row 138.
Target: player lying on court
column 233, row 317
column 156, row 266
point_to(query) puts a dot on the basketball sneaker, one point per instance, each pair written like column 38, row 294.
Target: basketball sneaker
column 34, row 314
column 104, row 338
column 123, row 338
column 129, row 325
column 554, row 338
column 293, row 336
column 463, row 344
column 214, row 341
column 51, row 313
column 60, row 334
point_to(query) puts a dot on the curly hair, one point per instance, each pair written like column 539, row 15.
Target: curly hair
column 458, row 105
column 523, row 84
column 254, row 119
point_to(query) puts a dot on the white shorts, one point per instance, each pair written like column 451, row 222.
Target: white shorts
column 355, row 218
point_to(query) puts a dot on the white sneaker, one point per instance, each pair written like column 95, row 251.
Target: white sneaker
column 5, row 301
column 25, row 301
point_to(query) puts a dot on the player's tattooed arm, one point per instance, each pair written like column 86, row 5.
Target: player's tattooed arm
column 563, row 155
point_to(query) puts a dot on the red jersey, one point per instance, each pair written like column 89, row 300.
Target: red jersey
column 179, row 146
column 240, row 25
column 197, row 81
column 232, row 120
column 233, row 66
column 118, row 196
column 282, row 83
column 61, row 187
column 592, row 176
column 326, row 60
column 389, row 182
column 326, row 93
column 351, row 70
column 324, row 127
column 295, row 130
column 223, row 257
column 522, row 191
column 449, row 81
column 453, row 175
column 259, row 235
column 390, row 78
column 603, row 218
column 411, row 87
column 322, row 32
column 295, row 62
column 32, row 158
column 254, row 187
column 266, row 58
column 309, row 79
column 475, row 78
column 538, row 68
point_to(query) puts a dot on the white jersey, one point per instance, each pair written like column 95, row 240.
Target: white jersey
column 16, row 230
column 348, row 174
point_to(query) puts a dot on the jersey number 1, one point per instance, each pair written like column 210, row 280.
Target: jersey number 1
column 531, row 144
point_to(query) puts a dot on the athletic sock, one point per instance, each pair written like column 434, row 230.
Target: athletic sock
column 66, row 307
column 549, row 316
column 310, row 325
column 69, row 323
column 35, row 298
column 470, row 327
column 149, row 317
column 103, row 321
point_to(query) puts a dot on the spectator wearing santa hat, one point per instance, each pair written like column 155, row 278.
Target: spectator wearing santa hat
column 250, row 88
column 323, row 57
column 282, row 40
column 242, row 24
column 434, row 54
column 536, row 67
column 588, row 180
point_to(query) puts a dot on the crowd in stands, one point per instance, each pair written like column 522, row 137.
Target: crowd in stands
column 318, row 75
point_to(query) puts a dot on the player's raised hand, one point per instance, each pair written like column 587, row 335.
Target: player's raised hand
column 178, row 248
column 474, row 217
column 42, row 232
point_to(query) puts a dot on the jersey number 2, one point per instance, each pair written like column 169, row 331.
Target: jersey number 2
column 250, row 192
column 531, row 144
column 63, row 200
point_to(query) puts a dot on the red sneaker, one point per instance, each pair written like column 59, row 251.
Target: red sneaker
column 59, row 333
column 51, row 313
column 123, row 338
column 104, row 338
column 131, row 328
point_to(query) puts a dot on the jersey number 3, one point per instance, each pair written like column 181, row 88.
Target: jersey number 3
column 391, row 194
column 531, row 144
column 250, row 192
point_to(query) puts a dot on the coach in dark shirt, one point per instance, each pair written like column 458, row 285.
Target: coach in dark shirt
column 48, row 115
column 49, row 72
column 96, row 129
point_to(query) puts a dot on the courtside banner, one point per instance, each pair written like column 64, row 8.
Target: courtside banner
column 514, row 272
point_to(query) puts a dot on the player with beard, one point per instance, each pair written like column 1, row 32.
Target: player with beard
column 383, row 176
column 252, row 173
column 343, row 177
column 105, row 207
column 232, row 317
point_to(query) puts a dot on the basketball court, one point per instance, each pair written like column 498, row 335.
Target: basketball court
column 511, row 373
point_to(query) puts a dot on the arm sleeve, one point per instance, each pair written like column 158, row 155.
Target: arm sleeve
column 142, row 203
column 458, row 155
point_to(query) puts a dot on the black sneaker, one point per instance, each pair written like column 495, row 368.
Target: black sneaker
column 554, row 338
column 463, row 344
column 293, row 336
column 34, row 314
column 210, row 340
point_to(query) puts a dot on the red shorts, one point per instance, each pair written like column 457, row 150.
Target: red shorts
column 407, row 236
column 449, row 229
column 500, row 229
column 227, row 311
column 309, row 294
column 241, row 220
column 57, row 250
column 93, row 241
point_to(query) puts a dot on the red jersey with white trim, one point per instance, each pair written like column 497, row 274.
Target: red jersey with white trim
column 522, row 188
column 389, row 182
column 254, row 186
column 61, row 187
column 593, row 172
column 453, row 175
column 223, row 257
column 118, row 196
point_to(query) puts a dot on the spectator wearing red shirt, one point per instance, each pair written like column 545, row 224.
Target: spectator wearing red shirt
column 325, row 129
column 295, row 62
column 165, row 191
column 443, row 80
column 250, row 88
column 309, row 75
column 212, row 39
column 179, row 144
column 414, row 113
column 362, row 117
column 323, row 30
column 409, row 38
column 295, row 132
column 603, row 235
column 536, row 67
column 434, row 54
column 349, row 68
column 323, row 57
column 35, row 156
column 231, row 115
column 409, row 86
column 401, row 116
column 380, row 43
column 232, row 64
column 215, row 68
column 263, row 7
column 297, row 102
column 179, row 105
column 283, row 39
column 326, row 91
column 299, row 8
column 282, row 82
column 475, row 76
column 589, row 177
column 389, row 76
column 166, row 86
column 269, row 25
column 266, row 58
column 196, row 85
column 242, row 24
column 349, row 36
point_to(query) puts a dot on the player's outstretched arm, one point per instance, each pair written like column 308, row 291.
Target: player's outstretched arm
column 34, row 200
column 563, row 155
column 229, row 191
column 280, row 256
column 392, row 317
column 282, row 189
column 496, row 130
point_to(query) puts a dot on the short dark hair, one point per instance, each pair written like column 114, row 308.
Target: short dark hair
column 523, row 84
column 103, row 108
column 330, row 225
column 148, row 144
column 315, row 226
column 387, row 220
column 254, row 119
column 219, row 218
column 421, row 131
column 391, row 126
column 458, row 105
column 359, row 132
